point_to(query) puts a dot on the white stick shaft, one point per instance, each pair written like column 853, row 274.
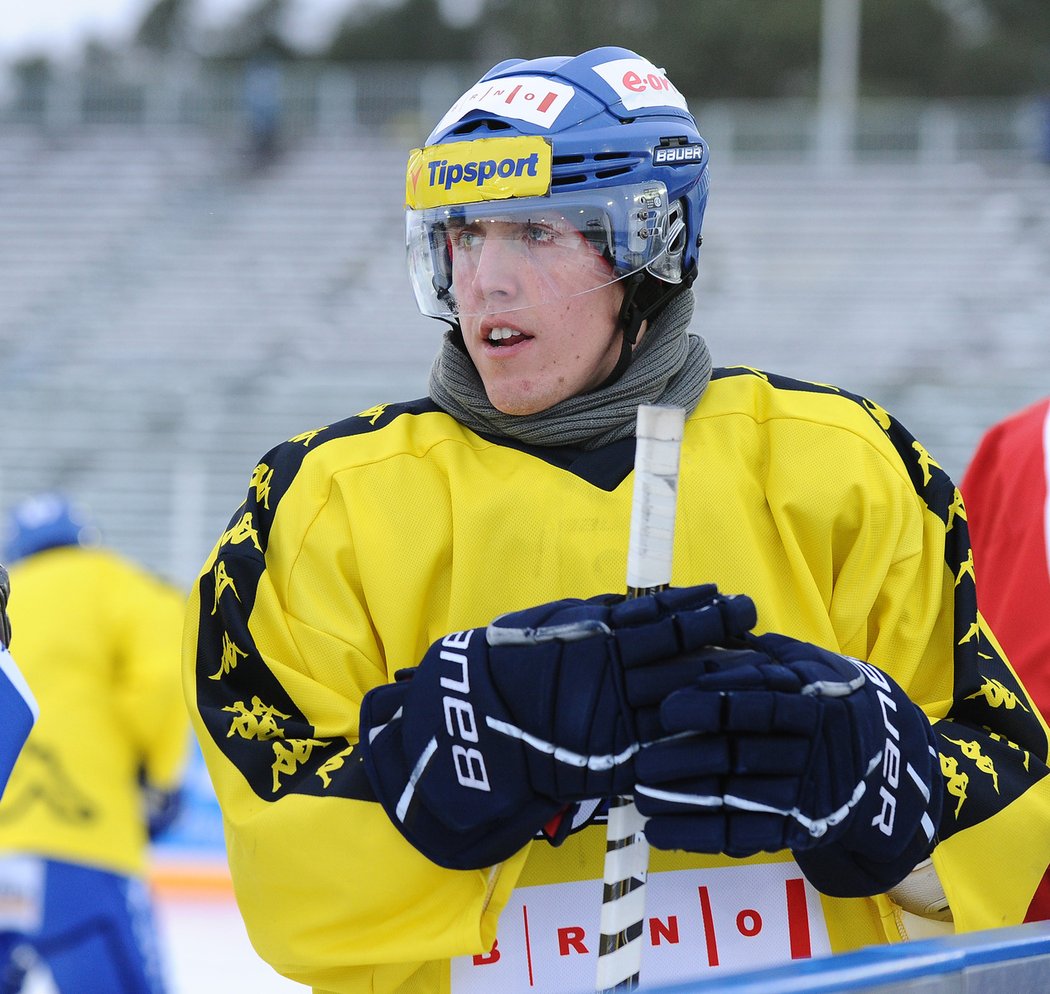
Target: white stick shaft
column 649, row 555
column 656, row 460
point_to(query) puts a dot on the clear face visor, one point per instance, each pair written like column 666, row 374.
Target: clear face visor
column 499, row 256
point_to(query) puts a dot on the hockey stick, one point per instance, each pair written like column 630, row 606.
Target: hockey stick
column 649, row 555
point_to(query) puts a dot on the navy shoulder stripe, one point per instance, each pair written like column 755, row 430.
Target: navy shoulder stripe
column 278, row 468
column 930, row 481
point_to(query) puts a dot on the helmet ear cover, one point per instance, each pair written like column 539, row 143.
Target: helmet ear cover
column 645, row 296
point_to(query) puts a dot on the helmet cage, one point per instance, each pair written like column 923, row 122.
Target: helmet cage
column 631, row 227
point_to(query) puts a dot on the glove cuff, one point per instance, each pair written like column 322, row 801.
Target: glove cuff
column 839, row 872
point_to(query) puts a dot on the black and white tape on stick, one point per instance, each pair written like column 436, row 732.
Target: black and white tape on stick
column 649, row 555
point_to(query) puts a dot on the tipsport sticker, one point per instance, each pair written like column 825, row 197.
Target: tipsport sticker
column 532, row 99
column 486, row 169
column 638, row 83
column 698, row 924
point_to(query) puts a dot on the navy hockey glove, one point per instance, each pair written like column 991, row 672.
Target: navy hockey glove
column 785, row 745
column 499, row 729
column 5, row 621
column 162, row 809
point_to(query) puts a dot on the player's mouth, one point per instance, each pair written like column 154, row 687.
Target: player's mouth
column 503, row 337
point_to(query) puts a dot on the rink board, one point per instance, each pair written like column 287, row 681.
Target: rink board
column 1014, row 960
column 189, row 866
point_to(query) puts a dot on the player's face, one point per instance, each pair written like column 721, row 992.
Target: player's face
column 538, row 310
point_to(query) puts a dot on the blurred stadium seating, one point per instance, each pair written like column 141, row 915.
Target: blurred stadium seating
column 167, row 314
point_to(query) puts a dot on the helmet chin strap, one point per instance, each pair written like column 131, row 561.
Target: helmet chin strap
column 644, row 297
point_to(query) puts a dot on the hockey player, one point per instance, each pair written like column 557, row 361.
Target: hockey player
column 414, row 684
column 18, row 707
column 1007, row 492
column 98, row 640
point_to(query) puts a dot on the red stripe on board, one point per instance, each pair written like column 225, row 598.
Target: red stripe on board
column 709, row 927
column 528, row 946
column 798, row 919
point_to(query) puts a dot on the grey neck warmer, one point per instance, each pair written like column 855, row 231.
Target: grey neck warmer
column 669, row 366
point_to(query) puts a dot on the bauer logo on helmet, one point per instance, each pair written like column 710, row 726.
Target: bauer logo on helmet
column 678, row 155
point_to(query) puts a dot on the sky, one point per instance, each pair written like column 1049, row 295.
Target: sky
column 58, row 28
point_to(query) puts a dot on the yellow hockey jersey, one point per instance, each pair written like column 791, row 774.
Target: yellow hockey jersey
column 98, row 640
column 360, row 543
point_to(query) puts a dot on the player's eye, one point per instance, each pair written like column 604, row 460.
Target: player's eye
column 465, row 239
column 538, row 233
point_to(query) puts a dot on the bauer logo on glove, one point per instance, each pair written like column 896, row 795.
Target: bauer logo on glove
column 783, row 745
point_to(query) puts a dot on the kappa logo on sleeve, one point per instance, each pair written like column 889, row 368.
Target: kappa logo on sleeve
column 486, row 169
column 639, row 83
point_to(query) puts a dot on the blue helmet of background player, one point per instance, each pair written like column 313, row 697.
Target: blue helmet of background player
column 603, row 140
column 45, row 521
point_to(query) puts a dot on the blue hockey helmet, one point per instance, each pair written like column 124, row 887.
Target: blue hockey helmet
column 45, row 521
column 603, row 142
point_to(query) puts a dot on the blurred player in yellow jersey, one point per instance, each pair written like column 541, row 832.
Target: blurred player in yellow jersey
column 98, row 640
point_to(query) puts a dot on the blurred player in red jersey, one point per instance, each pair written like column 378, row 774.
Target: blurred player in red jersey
column 1007, row 494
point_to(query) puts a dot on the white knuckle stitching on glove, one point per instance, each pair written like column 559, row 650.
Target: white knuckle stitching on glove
column 599, row 763
column 815, row 827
